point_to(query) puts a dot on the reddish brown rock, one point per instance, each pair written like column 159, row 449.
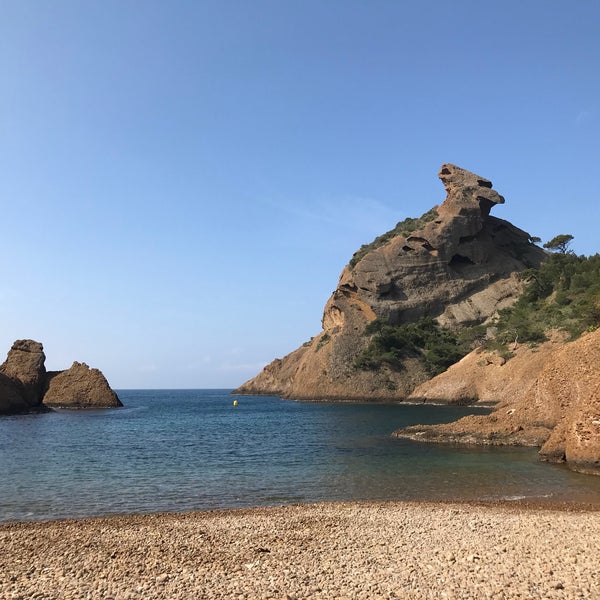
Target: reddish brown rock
column 80, row 387
column 484, row 377
column 571, row 382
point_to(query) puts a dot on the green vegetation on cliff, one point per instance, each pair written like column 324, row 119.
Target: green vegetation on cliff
column 564, row 293
column 404, row 228
column 438, row 347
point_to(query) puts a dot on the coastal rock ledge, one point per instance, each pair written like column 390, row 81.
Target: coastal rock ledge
column 26, row 386
column 559, row 411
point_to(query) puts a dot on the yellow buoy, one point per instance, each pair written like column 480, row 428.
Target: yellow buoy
column 235, row 402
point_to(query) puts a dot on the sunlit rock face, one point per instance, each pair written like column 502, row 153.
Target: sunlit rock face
column 80, row 387
column 457, row 264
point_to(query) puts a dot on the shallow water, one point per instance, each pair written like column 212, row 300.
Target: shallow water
column 178, row 450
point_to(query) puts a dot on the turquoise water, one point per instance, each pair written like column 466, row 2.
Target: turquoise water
column 193, row 450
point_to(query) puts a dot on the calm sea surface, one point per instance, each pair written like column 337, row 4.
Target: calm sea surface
column 193, row 450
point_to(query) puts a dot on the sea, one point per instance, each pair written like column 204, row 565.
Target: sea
column 188, row 450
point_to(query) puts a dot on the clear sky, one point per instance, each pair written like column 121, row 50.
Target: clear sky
column 182, row 182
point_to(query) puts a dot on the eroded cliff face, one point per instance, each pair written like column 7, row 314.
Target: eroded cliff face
column 457, row 264
column 552, row 400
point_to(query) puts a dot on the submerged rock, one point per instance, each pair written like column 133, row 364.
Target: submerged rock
column 80, row 387
column 456, row 263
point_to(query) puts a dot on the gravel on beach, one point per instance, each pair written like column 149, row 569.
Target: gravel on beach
column 332, row 550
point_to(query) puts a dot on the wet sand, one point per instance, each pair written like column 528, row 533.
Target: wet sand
column 332, row 550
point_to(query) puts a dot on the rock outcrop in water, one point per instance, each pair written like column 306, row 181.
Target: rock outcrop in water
column 457, row 264
column 12, row 399
column 556, row 406
column 23, row 377
column 26, row 386
column 80, row 387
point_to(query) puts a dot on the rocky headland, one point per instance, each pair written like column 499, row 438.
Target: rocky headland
column 456, row 264
column 547, row 396
column 458, row 270
column 26, row 386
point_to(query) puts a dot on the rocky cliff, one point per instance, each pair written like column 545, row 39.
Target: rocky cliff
column 551, row 400
column 457, row 264
column 26, row 386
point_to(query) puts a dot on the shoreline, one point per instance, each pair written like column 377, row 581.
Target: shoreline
column 360, row 550
column 522, row 504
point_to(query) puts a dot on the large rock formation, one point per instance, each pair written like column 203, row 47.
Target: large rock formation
column 80, row 387
column 24, row 375
column 25, row 386
column 456, row 263
column 559, row 410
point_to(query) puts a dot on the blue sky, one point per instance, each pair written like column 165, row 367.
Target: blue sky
column 182, row 182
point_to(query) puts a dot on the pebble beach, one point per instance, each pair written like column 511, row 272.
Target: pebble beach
column 331, row 550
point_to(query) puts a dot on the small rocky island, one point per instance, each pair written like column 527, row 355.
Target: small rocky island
column 26, row 386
